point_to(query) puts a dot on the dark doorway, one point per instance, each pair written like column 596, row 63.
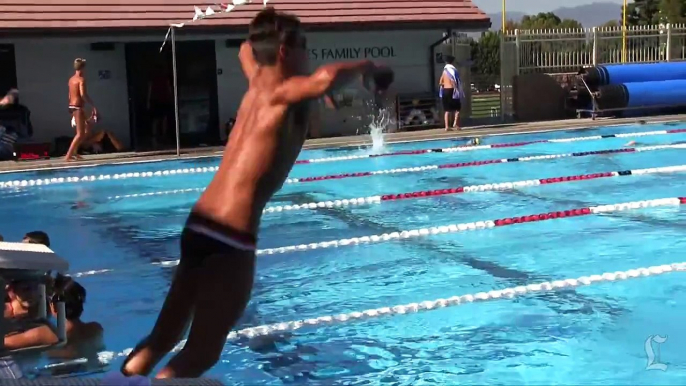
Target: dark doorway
column 150, row 83
column 8, row 68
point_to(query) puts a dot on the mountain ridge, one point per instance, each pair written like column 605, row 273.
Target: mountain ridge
column 589, row 15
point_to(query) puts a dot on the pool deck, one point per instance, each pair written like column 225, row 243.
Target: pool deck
column 359, row 140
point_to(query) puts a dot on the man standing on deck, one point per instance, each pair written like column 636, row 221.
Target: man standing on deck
column 450, row 92
column 78, row 97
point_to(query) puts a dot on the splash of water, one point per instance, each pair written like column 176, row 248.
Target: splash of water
column 378, row 125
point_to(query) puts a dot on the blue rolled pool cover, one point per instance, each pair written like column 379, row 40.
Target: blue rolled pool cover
column 664, row 93
column 642, row 94
column 615, row 74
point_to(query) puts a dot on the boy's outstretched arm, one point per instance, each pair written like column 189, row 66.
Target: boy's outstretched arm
column 326, row 78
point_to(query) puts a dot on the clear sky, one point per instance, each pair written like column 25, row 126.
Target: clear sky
column 534, row 6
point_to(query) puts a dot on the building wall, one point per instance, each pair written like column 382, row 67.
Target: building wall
column 44, row 66
column 405, row 51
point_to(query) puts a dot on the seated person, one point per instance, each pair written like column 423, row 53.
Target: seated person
column 7, row 140
column 100, row 142
column 15, row 115
column 15, row 123
column 21, row 309
column 84, row 339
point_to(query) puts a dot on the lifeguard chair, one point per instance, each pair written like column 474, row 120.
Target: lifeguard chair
column 31, row 263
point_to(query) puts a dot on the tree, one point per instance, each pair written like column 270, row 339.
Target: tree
column 486, row 55
column 672, row 11
column 545, row 20
column 643, row 12
column 611, row 24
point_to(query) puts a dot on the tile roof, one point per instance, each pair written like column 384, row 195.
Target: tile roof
column 80, row 15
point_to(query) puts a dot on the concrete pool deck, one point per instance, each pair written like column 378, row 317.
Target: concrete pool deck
column 359, row 140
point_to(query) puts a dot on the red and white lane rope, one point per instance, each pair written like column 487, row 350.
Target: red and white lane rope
column 429, row 305
column 452, row 228
column 211, row 169
column 424, row 168
column 484, row 147
column 373, row 200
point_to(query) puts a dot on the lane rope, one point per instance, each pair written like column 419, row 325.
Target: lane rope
column 455, row 228
column 485, row 147
column 210, row 169
column 424, row 168
column 373, row 200
column 444, row 229
column 477, row 225
column 429, row 305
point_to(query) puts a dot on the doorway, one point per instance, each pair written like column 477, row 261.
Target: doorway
column 8, row 69
column 150, row 83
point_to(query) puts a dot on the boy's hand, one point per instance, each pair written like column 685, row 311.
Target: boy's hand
column 379, row 79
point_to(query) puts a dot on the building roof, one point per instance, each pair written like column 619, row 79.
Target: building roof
column 90, row 15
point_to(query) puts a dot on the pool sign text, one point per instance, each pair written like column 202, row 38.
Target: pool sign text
column 381, row 52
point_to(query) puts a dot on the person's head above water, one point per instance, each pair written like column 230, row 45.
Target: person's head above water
column 37, row 237
column 276, row 40
column 71, row 293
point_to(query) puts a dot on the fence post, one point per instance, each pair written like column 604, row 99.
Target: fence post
column 669, row 42
column 503, row 66
column 595, row 46
column 516, row 32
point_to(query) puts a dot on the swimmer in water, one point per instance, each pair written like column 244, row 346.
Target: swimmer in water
column 213, row 281
column 474, row 142
column 631, row 144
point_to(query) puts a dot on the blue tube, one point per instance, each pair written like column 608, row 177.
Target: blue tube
column 664, row 93
column 644, row 72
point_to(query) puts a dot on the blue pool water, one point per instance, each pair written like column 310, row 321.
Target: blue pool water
column 592, row 335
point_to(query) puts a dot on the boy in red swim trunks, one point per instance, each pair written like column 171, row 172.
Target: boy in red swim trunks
column 215, row 275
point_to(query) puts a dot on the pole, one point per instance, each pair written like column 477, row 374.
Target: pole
column 176, row 92
column 504, row 21
column 624, row 32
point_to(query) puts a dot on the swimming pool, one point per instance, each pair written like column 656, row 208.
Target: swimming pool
column 118, row 228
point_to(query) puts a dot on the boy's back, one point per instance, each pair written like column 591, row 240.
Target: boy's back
column 261, row 151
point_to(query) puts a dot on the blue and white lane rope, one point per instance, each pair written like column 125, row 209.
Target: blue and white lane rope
column 429, row 305
column 486, row 147
column 428, row 167
column 211, row 169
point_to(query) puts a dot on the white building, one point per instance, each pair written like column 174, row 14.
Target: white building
column 39, row 41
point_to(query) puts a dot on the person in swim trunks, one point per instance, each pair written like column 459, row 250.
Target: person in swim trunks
column 78, row 97
column 214, row 278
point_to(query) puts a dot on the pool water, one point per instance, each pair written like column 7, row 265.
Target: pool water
column 590, row 335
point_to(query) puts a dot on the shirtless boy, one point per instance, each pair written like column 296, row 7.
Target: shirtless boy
column 214, row 278
column 78, row 97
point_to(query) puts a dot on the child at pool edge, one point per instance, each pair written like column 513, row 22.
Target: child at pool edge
column 214, row 278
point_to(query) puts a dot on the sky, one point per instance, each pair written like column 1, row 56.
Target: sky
column 534, row 6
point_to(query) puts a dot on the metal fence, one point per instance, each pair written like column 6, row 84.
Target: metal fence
column 561, row 51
